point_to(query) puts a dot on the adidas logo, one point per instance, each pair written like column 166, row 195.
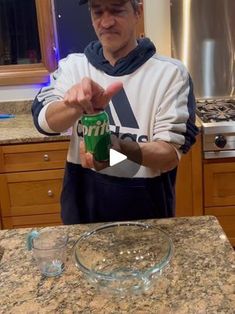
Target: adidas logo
column 123, row 110
column 126, row 118
column 129, row 136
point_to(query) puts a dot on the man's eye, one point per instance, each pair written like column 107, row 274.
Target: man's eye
column 97, row 13
column 117, row 11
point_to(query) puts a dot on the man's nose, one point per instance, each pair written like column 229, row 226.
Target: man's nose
column 107, row 20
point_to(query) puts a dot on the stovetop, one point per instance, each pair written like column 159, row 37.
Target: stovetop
column 217, row 118
column 215, row 111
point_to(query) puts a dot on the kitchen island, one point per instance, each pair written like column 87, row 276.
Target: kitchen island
column 199, row 279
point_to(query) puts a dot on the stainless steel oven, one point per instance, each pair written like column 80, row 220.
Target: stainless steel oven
column 217, row 117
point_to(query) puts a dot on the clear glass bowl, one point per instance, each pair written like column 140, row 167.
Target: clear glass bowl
column 123, row 257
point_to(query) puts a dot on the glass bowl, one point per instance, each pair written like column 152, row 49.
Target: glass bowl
column 123, row 257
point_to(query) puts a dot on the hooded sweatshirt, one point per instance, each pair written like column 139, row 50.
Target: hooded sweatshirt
column 155, row 103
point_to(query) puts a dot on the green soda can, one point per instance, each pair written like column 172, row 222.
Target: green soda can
column 96, row 135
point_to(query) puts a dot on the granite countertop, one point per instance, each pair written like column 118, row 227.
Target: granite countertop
column 21, row 129
column 199, row 279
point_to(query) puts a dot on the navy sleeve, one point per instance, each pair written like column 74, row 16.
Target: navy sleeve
column 36, row 108
column 191, row 128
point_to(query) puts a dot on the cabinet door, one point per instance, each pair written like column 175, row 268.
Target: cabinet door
column 27, row 194
column 219, row 193
column 189, row 189
column 219, row 181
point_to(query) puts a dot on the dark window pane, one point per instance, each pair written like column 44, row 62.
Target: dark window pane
column 19, row 40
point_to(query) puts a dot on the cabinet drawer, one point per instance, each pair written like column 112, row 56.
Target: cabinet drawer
column 31, row 193
column 38, row 156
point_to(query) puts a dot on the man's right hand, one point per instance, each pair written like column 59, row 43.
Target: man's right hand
column 89, row 97
column 84, row 97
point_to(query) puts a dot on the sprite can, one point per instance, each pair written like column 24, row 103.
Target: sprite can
column 96, row 135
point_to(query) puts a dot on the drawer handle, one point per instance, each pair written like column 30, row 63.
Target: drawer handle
column 46, row 157
column 50, row 193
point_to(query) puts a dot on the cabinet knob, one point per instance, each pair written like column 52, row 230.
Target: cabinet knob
column 220, row 141
column 50, row 193
column 46, row 157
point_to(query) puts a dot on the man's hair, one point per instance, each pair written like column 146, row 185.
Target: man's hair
column 135, row 4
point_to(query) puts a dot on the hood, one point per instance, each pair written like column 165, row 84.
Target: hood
column 137, row 57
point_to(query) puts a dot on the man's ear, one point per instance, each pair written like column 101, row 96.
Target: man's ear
column 139, row 10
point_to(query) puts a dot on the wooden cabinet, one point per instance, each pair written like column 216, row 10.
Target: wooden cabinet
column 30, row 181
column 189, row 184
column 0, row 216
column 219, row 193
column 207, row 187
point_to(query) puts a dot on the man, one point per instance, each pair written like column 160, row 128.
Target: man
column 151, row 108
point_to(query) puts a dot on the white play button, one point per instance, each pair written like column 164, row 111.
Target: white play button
column 115, row 157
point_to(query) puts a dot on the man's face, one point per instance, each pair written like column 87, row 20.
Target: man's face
column 114, row 22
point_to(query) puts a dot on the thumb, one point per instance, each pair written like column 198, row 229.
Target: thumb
column 112, row 89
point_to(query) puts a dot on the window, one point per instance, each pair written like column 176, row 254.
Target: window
column 19, row 33
column 27, row 52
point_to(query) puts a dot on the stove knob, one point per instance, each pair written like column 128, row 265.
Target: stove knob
column 220, row 141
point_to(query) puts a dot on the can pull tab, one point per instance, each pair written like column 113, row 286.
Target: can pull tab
column 29, row 240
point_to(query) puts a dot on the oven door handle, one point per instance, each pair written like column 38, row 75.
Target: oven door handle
column 219, row 154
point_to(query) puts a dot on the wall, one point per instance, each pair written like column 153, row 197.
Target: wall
column 157, row 27
column 157, row 24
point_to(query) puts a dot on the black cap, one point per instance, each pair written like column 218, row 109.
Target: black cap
column 82, row 1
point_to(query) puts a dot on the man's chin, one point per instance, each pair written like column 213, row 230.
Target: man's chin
column 109, row 46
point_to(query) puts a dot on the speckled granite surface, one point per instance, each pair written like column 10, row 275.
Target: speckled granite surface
column 21, row 129
column 16, row 107
column 200, row 278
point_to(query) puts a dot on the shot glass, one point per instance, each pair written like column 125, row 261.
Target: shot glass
column 49, row 248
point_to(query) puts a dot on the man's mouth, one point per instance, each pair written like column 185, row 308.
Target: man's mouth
column 104, row 33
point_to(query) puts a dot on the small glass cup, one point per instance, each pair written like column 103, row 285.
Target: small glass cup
column 49, row 250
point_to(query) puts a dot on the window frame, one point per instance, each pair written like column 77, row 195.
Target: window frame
column 37, row 73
